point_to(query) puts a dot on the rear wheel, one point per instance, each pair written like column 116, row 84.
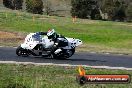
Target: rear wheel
column 21, row 52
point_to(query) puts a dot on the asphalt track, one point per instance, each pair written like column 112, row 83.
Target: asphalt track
column 79, row 58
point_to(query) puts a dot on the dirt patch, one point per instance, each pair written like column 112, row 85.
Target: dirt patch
column 10, row 38
column 7, row 35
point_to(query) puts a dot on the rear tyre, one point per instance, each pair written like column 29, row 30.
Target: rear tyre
column 21, row 52
column 18, row 51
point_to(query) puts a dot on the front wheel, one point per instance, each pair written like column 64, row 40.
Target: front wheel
column 21, row 52
column 70, row 52
column 64, row 54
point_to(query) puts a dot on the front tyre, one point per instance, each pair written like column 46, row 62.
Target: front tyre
column 21, row 52
column 70, row 52
column 64, row 55
column 73, row 51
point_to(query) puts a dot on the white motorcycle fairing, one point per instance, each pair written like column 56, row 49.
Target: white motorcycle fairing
column 31, row 41
column 38, row 45
column 74, row 42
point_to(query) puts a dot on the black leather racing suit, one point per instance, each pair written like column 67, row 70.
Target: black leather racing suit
column 60, row 41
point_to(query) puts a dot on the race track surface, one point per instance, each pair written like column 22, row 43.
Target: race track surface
column 83, row 58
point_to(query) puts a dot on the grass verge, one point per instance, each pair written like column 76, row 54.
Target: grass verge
column 100, row 36
column 31, row 76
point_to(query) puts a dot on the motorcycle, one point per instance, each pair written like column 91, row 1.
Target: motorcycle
column 40, row 45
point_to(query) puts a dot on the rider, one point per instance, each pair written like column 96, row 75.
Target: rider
column 59, row 40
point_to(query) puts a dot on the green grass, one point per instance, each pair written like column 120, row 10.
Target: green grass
column 31, row 76
column 100, row 35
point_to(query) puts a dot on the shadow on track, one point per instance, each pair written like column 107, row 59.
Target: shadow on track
column 73, row 60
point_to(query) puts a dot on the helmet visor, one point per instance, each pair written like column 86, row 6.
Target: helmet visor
column 51, row 37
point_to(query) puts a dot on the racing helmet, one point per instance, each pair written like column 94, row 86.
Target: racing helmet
column 51, row 34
